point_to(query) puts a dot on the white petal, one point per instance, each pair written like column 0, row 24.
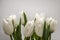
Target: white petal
column 39, row 27
column 12, row 17
column 52, row 23
column 22, row 18
column 7, row 27
column 39, row 23
column 28, row 29
column 15, row 20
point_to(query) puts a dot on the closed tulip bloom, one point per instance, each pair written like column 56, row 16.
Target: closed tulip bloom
column 28, row 30
column 39, row 24
column 9, row 24
column 7, row 27
column 52, row 23
column 13, row 19
column 23, row 18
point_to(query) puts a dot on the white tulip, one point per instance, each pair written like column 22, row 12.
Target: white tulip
column 22, row 17
column 52, row 23
column 7, row 27
column 39, row 24
column 28, row 30
column 12, row 18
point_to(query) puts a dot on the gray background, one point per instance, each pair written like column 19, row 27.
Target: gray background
column 31, row 7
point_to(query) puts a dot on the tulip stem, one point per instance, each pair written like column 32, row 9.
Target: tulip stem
column 33, row 36
column 11, row 37
column 50, row 37
column 27, row 38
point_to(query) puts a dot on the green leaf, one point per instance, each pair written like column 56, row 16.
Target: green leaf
column 37, row 37
column 25, row 21
column 33, row 36
column 45, row 31
column 18, row 31
column 25, row 18
column 14, row 33
column 49, row 33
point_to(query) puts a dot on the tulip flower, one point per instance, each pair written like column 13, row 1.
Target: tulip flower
column 28, row 30
column 40, row 28
column 39, row 23
column 7, row 27
column 52, row 23
column 23, row 18
column 13, row 19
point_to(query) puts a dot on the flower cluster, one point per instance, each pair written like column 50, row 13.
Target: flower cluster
column 40, row 28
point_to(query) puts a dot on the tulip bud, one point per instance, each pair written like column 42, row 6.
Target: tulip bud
column 39, row 24
column 7, row 27
column 52, row 23
column 9, row 24
column 23, row 18
column 13, row 19
column 28, row 30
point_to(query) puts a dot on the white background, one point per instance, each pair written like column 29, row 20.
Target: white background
column 31, row 7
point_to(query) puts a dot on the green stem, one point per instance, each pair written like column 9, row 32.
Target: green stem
column 11, row 37
column 27, row 38
column 44, row 31
column 50, row 37
column 40, row 38
column 33, row 36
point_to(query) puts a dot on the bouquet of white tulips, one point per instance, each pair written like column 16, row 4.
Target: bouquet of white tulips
column 40, row 28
